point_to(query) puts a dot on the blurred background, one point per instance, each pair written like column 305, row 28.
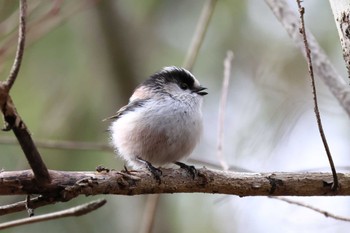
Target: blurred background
column 84, row 58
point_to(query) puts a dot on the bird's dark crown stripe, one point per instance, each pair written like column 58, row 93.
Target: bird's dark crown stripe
column 175, row 75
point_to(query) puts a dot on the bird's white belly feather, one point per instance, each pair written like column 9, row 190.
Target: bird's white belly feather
column 167, row 133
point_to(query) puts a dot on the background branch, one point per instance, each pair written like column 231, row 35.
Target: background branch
column 22, row 205
column 222, row 108
column 191, row 57
column 63, row 144
column 321, row 64
column 199, row 34
column 75, row 211
column 325, row 213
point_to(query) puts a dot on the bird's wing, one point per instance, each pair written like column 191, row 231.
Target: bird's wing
column 137, row 103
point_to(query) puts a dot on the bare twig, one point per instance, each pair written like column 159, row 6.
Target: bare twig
column 199, row 34
column 317, row 112
column 223, row 101
column 149, row 215
column 29, row 207
column 20, row 46
column 48, row 20
column 75, row 211
column 22, row 205
column 62, row 145
column 191, row 56
column 325, row 213
column 322, row 66
column 12, row 119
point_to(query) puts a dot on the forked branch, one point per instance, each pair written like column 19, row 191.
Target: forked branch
column 12, row 119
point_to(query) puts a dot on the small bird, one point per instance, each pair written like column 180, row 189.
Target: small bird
column 162, row 123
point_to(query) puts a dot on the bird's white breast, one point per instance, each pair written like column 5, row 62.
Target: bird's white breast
column 159, row 132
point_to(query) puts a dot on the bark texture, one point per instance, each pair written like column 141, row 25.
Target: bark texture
column 67, row 185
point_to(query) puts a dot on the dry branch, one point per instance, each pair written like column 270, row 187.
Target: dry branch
column 74, row 211
column 20, row 46
column 322, row 66
column 314, row 94
column 325, row 213
column 199, row 34
column 12, row 119
column 35, row 202
column 67, row 185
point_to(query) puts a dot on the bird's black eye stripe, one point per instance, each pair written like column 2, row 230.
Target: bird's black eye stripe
column 183, row 86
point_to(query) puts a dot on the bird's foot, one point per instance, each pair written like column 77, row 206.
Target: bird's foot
column 156, row 172
column 189, row 168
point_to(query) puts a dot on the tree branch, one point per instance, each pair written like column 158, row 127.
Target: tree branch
column 35, row 202
column 322, row 66
column 314, row 93
column 67, row 185
column 12, row 119
column 75, row 211
column 20, row 46
column 199, row 34
column 325, row 213
column 222, row 108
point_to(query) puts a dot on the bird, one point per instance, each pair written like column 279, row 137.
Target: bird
column 162, row 123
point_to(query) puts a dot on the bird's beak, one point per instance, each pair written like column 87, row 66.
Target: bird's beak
column 200, row 91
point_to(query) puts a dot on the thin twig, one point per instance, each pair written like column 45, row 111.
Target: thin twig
column 47, row 20
column 317, row 112
column 322, row 66
column 29, row 207
column 12, row 119
column 191, row 57
column 149, row 214
column 75, row 211
column 20, row 46
column 223, row 102
column 62, row 145
column 325, row 213
column 199, row 34
column 22, row 205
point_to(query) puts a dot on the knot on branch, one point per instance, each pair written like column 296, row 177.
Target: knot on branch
column 274, row 182
column 101, row 183
column 11, row 117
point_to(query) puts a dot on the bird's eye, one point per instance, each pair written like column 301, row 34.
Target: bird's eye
column 184, row 86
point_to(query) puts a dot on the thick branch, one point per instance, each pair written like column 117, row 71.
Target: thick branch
column 322, row 66
column 67, row 185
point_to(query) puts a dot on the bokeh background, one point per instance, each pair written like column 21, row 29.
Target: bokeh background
column 83, row 59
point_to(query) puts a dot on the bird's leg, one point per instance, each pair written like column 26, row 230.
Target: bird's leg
column 156, row 172
column 126, row 170
column 189, row 168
